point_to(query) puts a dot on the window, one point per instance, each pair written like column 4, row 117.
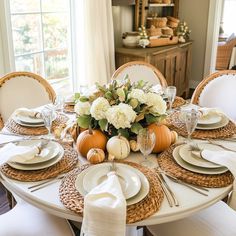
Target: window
column 41, row 38
column 229, row 17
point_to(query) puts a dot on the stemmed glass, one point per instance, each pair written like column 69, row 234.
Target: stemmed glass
column 59, row 103
column 47, row 115
column 170, row 92
column 146, row 140
column 191, row 119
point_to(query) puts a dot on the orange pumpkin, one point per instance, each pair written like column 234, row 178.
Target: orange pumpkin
column 163, row 137
column 90, row 139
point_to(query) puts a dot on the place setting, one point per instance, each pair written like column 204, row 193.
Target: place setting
column 32, row 122
column 36, row 159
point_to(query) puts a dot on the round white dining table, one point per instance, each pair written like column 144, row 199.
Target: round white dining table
column 48, row 199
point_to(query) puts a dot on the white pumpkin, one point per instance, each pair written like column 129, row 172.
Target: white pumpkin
column 118, row 147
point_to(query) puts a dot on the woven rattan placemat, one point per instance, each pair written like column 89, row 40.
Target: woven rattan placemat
column 178, row 102
column 67, row 163
column 14, row 127
column 74, row 201
column 174, row 123
column 168, row 164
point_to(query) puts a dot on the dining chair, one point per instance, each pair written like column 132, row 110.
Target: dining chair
column 217, row 220
column 218, row 90
column 23, row 89
column 26, row 220
column 140, row 70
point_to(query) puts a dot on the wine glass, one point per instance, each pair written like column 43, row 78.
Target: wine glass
column 83, row 89
column 47, row 115
column 191, row 119
column 146, row 140
column 59, row 103
column 170, row 92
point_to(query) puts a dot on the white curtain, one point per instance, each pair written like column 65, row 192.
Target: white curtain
column 229, row 17
column 95, row 42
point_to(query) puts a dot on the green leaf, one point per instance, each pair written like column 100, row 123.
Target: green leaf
column 108, row 95
column 136, row 127
column 124, row 132
column 151, row 118
column 77, row 96
column 83, row 99
column 103, row 124
column 84, row 121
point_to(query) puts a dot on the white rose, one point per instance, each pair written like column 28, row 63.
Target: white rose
column 156, row 103
column 138, row 94
column 82, row 108
column 121, row 116
column 99, row 108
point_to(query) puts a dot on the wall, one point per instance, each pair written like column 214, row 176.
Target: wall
column 195, row 13
column 123, row 22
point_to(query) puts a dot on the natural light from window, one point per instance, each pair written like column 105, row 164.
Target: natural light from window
column 41, row 38
column 229, row 17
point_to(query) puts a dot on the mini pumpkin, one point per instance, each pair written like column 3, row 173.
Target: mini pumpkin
column 163, row 137
column 90, row 139
column 95, row 155
column 134, row 145
column 174, row 136
column 118, row 146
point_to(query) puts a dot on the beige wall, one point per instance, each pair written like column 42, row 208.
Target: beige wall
column 195, row 13
column 123, row 22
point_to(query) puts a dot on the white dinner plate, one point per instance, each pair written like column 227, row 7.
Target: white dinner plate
column 224, row 121
column 210, row 119
column 144, row 190
column 25, row 124
column 187, row 155
column 196, row 169
column 129, row 180
column 50, row 151
column 30, row 120
column 38, row 166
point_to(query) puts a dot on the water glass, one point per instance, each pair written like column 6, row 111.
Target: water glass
column 47, row 115
column 170, row 93
column 191, row 119
column 146, row 140
column 59, row 103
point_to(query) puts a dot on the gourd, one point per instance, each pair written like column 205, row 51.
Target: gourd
column 95, row 155
column 134, row 145
column 118, row 147
column 164, row 137
column 90, row 139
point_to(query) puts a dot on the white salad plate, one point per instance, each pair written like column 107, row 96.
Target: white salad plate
column 50, row 151
column 193, row 157
column 210, row 119
column 223, row 122
column 196, row 169
column 26, row 124
column 29, row 120
column 38, row 166
column 144, row 187
column 129, row 180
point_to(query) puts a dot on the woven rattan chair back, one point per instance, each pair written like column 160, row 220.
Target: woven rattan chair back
column 218, row 90
column 23, row 89
column 139, row 70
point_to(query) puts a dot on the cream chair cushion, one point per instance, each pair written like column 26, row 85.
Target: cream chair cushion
column 218, row 90
column 23, row 89
column 217, row 220
column 26, row 220
column 139, row 70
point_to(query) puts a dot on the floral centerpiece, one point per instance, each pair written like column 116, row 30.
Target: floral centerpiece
column 120, row 108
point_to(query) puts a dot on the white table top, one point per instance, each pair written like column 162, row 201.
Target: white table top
column 48, row 198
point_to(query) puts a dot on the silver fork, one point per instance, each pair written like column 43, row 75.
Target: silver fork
column 165, row 186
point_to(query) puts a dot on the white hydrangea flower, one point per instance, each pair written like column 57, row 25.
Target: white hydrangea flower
column 138, row 94
column 99, row 108
column 82, row 108
column 121, row 116
column 156, row 102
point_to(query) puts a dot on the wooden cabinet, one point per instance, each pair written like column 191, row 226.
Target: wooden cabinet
column 174, row 62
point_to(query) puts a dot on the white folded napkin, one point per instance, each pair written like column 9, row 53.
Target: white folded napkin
column 227, row 159
column 157, row 89
column 105, row 209
column 27, row 112
column 206, row 112
column 12, row 152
